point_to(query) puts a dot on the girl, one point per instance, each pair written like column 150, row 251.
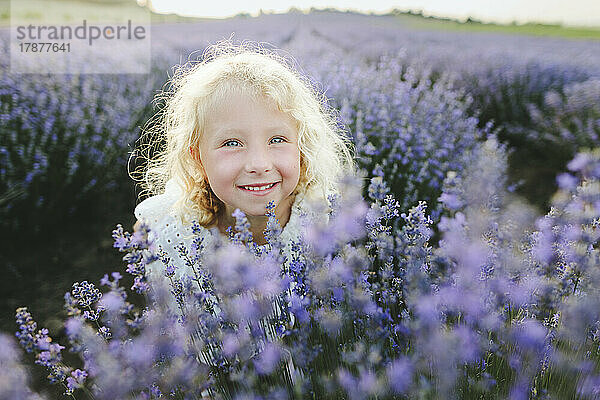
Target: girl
column 241, row 128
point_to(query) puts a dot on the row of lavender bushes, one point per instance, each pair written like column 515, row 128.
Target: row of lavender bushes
column 545, row 112
column 409, row 128
column 65, row 140
column 517, row 83
column 506, row 305
column 65, row 144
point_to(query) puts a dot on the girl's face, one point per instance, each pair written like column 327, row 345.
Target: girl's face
column 249, row 152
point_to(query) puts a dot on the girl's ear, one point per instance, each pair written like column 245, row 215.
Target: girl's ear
column 196, row 156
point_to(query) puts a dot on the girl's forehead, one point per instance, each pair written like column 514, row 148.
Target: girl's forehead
column 229, row 97
column 228, row 109
column 233, row 104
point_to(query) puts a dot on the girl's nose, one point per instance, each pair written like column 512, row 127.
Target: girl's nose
column 259, row 161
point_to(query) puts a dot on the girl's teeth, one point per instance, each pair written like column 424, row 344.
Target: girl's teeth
column 259, row 187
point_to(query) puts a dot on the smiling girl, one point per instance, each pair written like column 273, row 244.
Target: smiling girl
column 240, row 129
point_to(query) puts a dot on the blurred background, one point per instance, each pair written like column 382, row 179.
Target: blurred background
column 417, row 85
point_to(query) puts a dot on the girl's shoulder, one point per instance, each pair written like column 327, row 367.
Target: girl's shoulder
column 155, row 208
column 166, row 226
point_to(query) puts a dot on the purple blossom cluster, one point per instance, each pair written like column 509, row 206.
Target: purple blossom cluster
column 139, row 253
column 14, row 380
column 47, row 353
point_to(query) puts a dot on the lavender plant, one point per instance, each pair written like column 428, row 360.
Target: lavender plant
column 64, row 140
column 567, row 120
column 405, row 126
column 544, row 112
column 504, row 93
column 47, row 353
column 505, row 306
column 14, row 382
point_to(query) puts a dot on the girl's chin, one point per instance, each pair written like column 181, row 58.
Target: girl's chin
column 250, row 213
column 257, row 212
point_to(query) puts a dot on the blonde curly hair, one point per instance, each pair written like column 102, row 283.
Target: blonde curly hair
column 196, row 87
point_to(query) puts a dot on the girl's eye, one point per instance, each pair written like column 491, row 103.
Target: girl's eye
column 278, row 140
column 231, row 143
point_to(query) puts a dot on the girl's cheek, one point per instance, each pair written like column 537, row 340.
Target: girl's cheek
column 288, row 153
column 227, row 157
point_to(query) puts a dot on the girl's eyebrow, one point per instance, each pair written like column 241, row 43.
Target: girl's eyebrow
column 226, row 131
column 222, row 133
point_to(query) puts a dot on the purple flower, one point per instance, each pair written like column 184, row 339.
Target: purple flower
column 530, row 336
column 14, row 379
column 268, row 359
column 330, row 320
column 378, row 188
column 85, row 293
column 231, row 344
column 298, row 307
column 347, row 381
column 245, row 309
column 112, row 302
column 368, row 383
column 451, row 201
column 76, row 380
column 400, row 375
column 579, row 162
column 73, row 326
column 566, row 181
column 140, row 353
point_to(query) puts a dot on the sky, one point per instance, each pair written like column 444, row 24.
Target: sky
column 567, row 12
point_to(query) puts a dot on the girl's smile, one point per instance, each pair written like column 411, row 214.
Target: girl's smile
column 259, row 189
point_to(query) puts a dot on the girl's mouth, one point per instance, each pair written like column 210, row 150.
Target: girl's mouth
column 259, row 190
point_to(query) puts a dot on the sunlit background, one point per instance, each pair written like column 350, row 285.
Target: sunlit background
column 576, row 12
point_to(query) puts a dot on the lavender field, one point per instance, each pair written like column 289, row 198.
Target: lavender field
column 465, row 264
